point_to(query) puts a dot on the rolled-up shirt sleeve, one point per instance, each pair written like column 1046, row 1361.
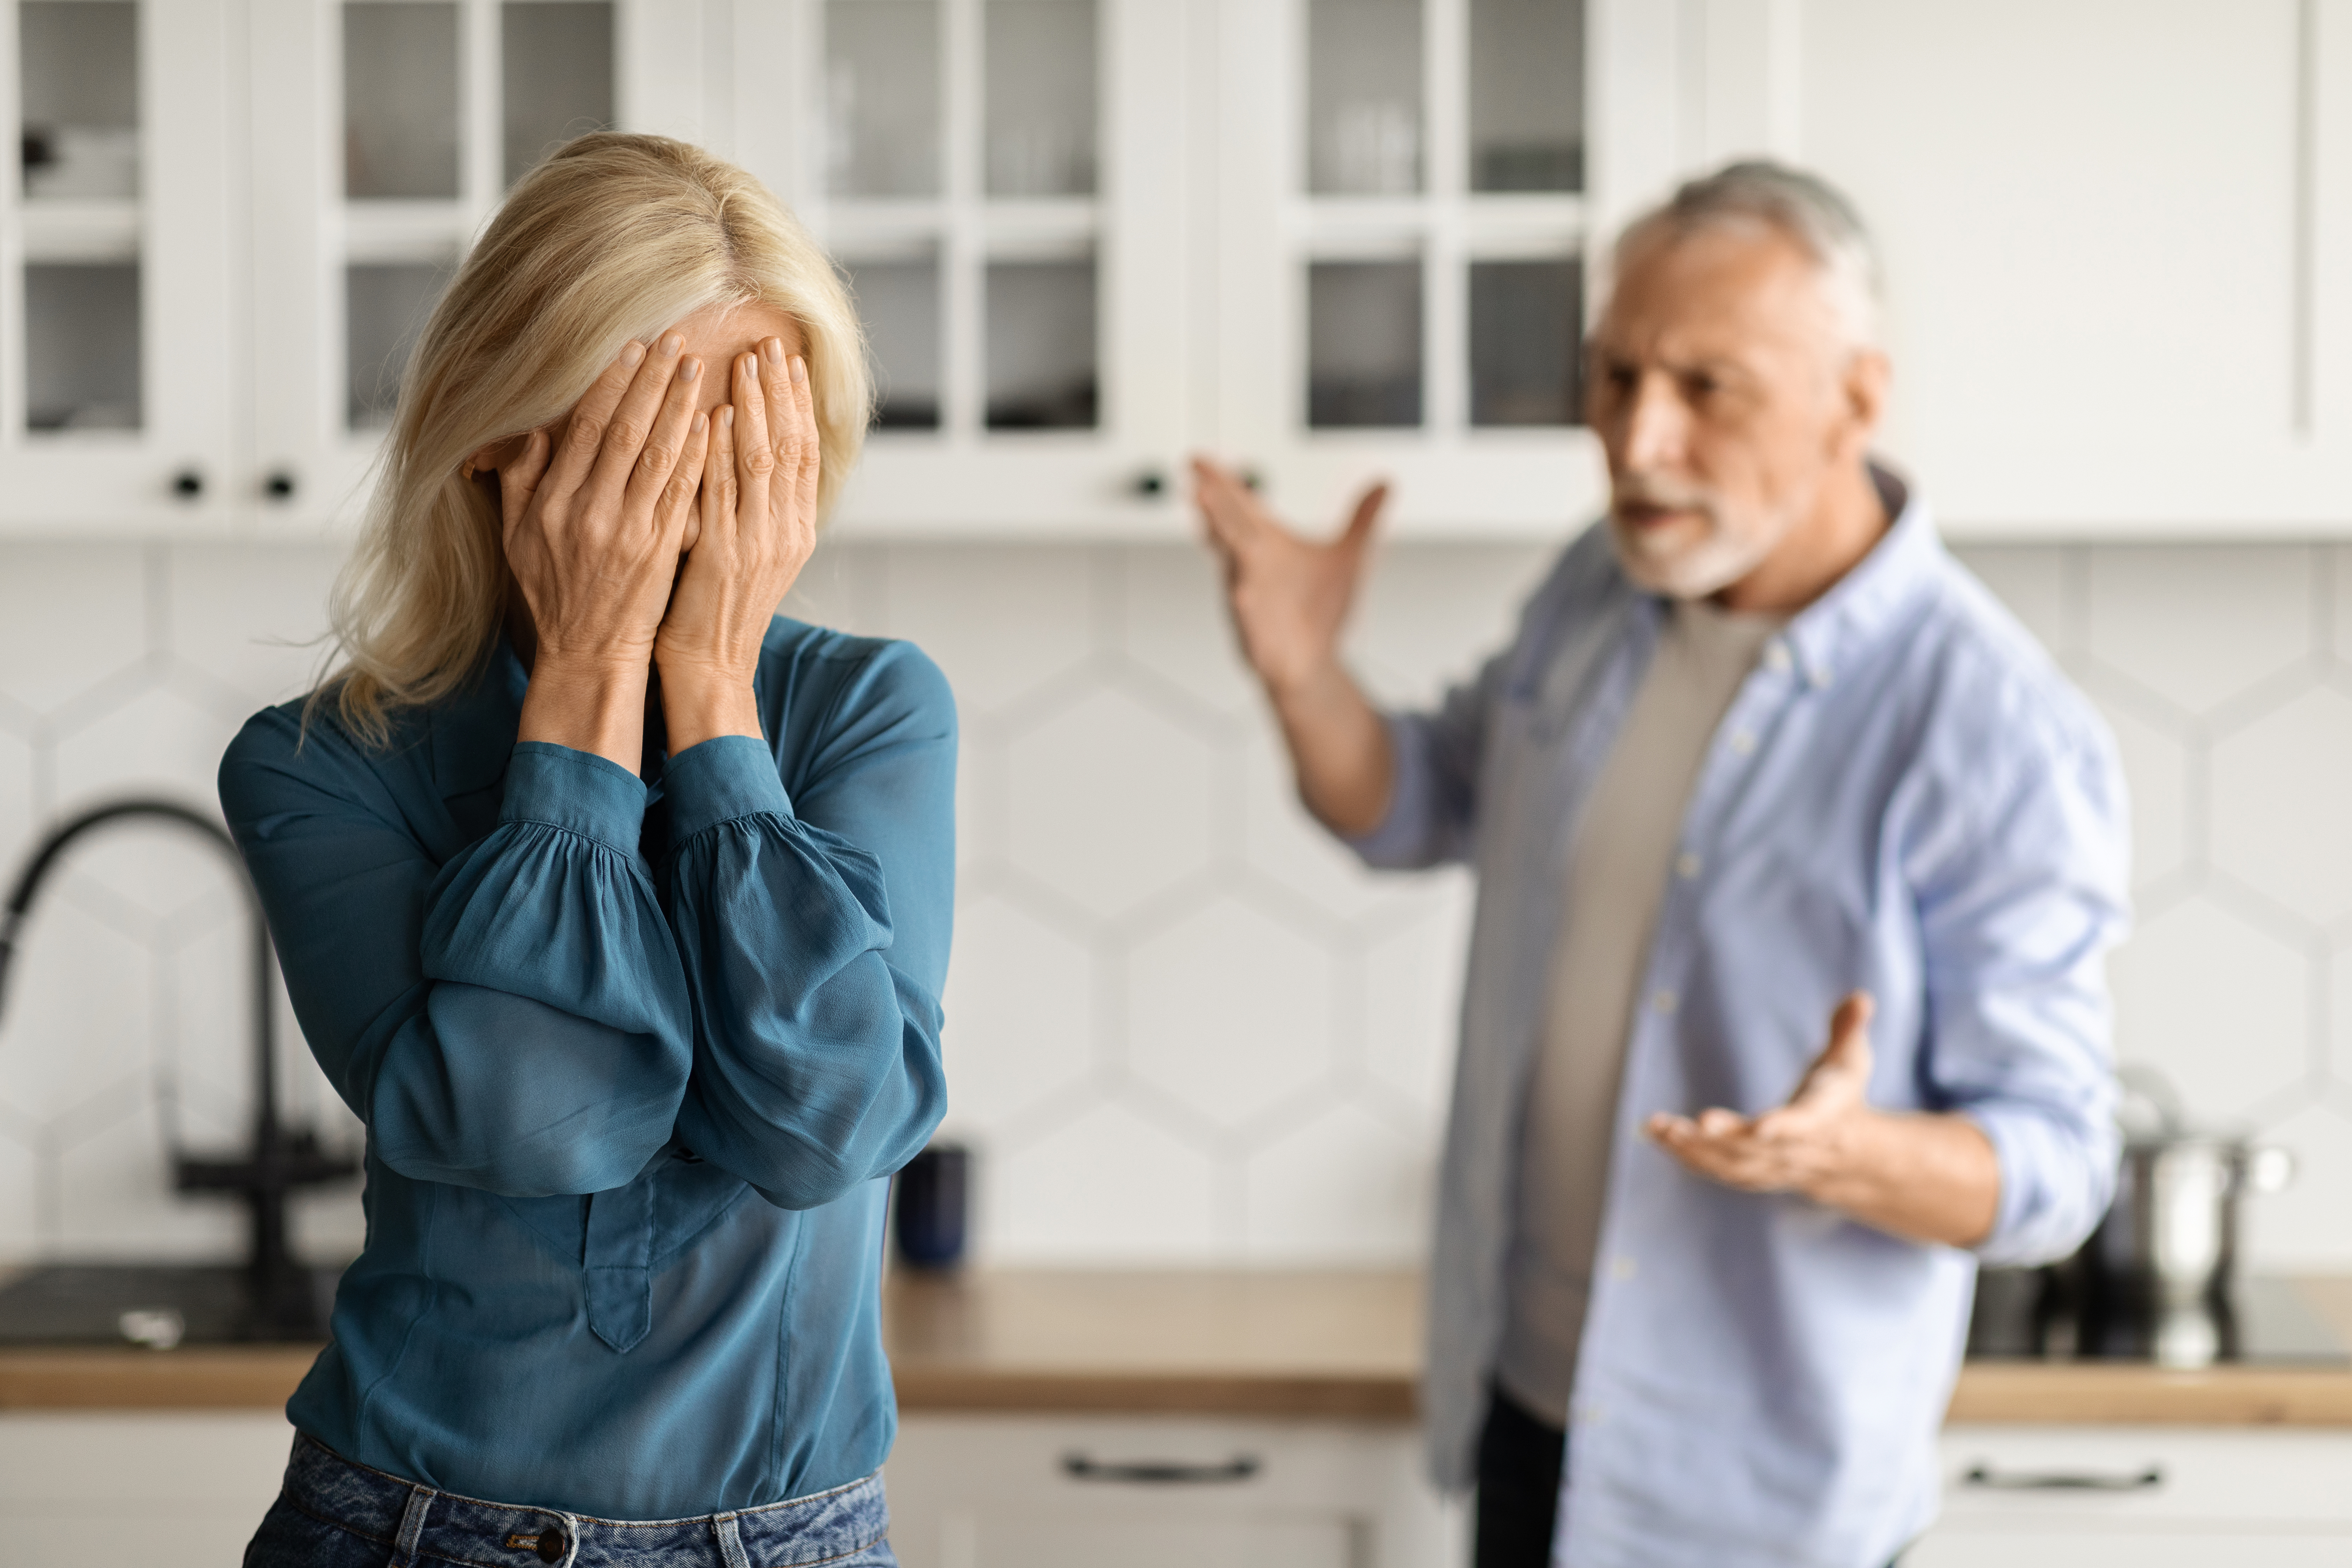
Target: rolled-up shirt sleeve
column 1433, row 781
column 2018, row 918
column 515, row 1020
column 813, row 936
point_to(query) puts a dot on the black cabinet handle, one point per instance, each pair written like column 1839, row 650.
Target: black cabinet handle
column 280, row 485
column 188, row 484
column 1162, row 1472
column 1986, row 1479
column 1148, row 485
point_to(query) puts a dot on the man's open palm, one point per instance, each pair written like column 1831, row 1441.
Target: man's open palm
column 1290, row 595
column 1793, row 1147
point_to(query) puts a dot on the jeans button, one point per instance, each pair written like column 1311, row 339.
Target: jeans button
column 552, row 1546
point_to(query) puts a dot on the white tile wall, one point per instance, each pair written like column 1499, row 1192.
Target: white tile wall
column 1183, row 1026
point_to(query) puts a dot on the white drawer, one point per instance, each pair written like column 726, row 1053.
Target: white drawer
column 2288, row 1483
column 1003, row 1491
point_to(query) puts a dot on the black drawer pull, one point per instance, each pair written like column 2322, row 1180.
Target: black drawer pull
column 1989, row 1479
column 1162, row 1472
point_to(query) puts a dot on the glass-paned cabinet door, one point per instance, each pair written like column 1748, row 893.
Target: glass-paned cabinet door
column 1402, row 258
column 999, row 181
column 404, row 125
column 119, row 373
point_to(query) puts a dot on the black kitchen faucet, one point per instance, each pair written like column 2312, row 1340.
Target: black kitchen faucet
column 277, row 1298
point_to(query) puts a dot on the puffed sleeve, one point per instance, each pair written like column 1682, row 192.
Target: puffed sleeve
column 515, row 1020
column 814, row 934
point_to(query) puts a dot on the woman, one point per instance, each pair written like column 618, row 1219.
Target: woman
column 617, row 910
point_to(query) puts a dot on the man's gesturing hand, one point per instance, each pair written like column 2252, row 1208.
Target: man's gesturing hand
column 1290, row 595
column 1923, row 1177
column 1290, row 598
column 1797, row 1145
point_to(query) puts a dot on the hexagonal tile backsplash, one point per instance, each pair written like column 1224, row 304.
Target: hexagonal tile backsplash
column 1183, row 1027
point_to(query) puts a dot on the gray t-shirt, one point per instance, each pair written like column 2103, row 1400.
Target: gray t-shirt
column 1618, row 870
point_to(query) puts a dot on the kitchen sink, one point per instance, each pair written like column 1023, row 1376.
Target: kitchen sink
column 163, row 1305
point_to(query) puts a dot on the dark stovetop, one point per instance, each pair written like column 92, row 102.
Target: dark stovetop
column 2044, row 1314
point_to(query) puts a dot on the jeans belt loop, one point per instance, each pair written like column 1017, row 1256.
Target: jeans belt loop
column 412, row 1526
column 730, row 1543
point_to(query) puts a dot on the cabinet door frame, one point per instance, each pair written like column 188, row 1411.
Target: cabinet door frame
column 1448, row 478
column 192, row 331
column 1122, row 478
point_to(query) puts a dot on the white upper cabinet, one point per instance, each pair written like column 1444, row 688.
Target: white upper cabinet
column 2118, row 236
column 119, row 254
column 1327, row 240
column 1399, row 257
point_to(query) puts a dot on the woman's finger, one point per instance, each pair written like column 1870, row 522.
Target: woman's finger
column 673, row 523
column 584, row 432
column 755, row 457
column 776, row 393
column 631, row 419
column 661, row 457
column 808, row 443
column 519, row 479
column 718, row 499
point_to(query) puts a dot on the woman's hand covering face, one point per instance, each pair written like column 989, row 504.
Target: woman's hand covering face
column 754, row 524
column 596, row 515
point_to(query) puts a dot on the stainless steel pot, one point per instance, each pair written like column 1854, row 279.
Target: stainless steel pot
column 2170, row 1237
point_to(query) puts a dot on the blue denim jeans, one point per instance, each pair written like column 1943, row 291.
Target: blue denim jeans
column 335, row 1514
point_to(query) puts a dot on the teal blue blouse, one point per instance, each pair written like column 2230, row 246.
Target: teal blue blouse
column 634, row 1058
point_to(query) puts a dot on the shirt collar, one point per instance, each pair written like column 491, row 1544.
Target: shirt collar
column 1845, row 622
column 474, row 731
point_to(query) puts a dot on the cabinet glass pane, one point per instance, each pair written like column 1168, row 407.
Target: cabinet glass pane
column 78, row 63
column 1040, row 324
column 400, row 100
column 1363, row 97
column 81, row 346
column 384, row 308
column 1363, row 343
column 899, row 303
column 556, row 70
column 1527, row 95
column 882, row 98
column 1040, row 98
column 1527, row 331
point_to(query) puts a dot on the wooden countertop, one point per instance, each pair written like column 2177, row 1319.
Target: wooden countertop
column 1331, row 1345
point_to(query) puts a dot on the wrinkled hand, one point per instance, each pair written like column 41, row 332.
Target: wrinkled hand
column 1289, row 596
column 1804, row 1146
column 594, row 514
column 754, row 529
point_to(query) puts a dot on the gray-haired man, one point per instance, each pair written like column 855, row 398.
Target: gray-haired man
column 1762, row 768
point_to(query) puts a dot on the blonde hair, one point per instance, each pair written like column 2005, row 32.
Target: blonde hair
column 614, row 237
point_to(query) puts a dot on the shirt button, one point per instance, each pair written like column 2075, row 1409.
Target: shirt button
column 1776, row 658
column 1743, row 741
column 1819, row 674
column 1664, row 1002
column 1622, row 1267
column 1592, row 1414
column 1686, row 865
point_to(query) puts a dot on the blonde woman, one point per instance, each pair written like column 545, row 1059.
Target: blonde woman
column 614, row 906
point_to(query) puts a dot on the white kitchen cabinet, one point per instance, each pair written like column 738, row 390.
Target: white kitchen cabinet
column 1330, row 240
column 118, row 261
column 2217, row 1495
column 2118, row 241
column 1014, row 1491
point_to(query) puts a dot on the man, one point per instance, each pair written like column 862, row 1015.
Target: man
column 1797, row 861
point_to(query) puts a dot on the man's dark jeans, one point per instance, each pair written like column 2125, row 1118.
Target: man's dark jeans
column 1519, row 1460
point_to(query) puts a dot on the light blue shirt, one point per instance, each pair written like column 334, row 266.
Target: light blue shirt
column 634, row 1060
column 1906, row 797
